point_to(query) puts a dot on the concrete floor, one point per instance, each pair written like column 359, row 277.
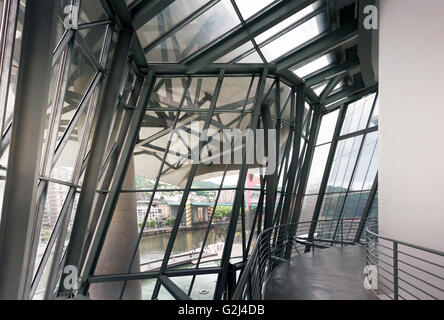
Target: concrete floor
column 327, row 274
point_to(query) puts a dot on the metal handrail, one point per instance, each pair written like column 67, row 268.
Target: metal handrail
column 279, row 244
column 422, row 277
column 438, row 252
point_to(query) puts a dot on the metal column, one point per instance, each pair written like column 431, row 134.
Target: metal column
column 17, row 223
column 109, row 94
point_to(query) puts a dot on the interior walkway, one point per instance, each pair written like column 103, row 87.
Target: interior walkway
column 325, row 274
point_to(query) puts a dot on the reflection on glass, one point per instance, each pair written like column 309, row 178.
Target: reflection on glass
column 251, row 58
column 248, row 8
column 367, row 165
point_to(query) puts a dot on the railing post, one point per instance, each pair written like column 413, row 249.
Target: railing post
column 395, row 270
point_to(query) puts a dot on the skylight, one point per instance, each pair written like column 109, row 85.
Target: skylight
column 248, row 8
column 295, row 38
column 314, row 65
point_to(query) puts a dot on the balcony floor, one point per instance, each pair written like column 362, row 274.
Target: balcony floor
column 326, row 274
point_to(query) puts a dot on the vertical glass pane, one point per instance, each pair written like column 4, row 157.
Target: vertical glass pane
column 368, row 163
column 317, row 169
column 327, row 129
column 358, row 114
column 343, row 164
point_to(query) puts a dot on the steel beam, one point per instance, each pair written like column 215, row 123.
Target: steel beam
column 110, row 93
column 320, row 46
column 172, row 288
column 346, row 92
column 330, row 87
column 123, row 18
column 18, row 215
column 144, row 11
column 271, row 179
column 7, row 41
column 151, row 275
column 366, row 44
column 239, row 36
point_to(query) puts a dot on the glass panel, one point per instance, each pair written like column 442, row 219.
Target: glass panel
column 315, row 65
column 167, row 19
column 286, row 23
column 252, row 58
column 93, row 37
column 234, row 92
column 367, row 165
column 374, row 119
column 327, row 129
column 248, row 8
column 91, row 11
column 235, row 53
column 317, row 169
column 80, row 76
column 343, row 164
column 308, row 206
column 295, row 38
column 207, row 27
column 358, row 114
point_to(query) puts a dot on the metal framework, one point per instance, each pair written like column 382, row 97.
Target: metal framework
column 107, row 97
